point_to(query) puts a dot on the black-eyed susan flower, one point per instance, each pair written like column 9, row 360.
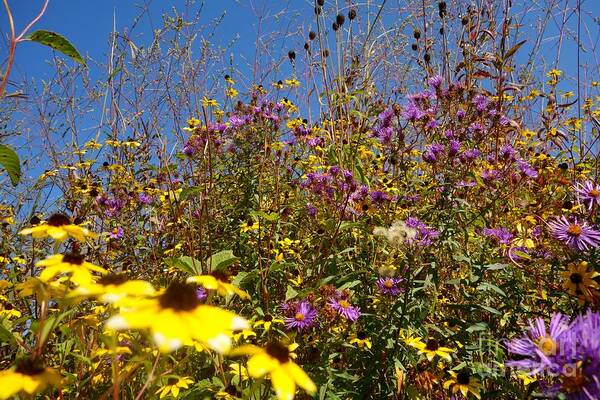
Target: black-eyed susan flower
column 463, row 382
column 578, row 280
column 431, row 348
column 177, row 317
column 8, row 311
column 218, row 281
column 73, row 264
column 28, row 376
column 59, row 228
column 276, row 361
column 174, row 385
column 361, row 340
column 113, row 289
column 267, row 321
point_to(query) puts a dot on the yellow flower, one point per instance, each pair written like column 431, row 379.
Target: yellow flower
column 267, row 321
column 29, row 376
column 174, row 386
column 292, row 82
column 176, row 318
column 231, row 92
column 361, row 340
column 80, row 271
column 249, row 226
column 276, row 361
column 463, row 382
column 431, row 349
column 114, row 289
column 207, row 102
column 239, row 370
column 554, row 73
column 8, row 311
column 218, row 281
column 579, row 281
column 59, row 228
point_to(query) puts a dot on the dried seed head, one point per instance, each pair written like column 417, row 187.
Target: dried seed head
column 352, row 14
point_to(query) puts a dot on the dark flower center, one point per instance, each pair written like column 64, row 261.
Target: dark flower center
column 594, row 193
column 432, row 345
column 220, row 275
column 361, row 335
column 172, row 381
column 278, row 351
column 30, row 367
column 113, row 279
column 73, row 258
column 180, row 297
column 8, row 306
column 463, row 378
column 576, row 278
column 268, row 318
column 58, row 220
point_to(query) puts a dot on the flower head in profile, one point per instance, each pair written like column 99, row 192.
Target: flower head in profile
column 177, row 317
column 115, row 289
column 463, row 382
column 73, row 264
column 576, row 234
column 28, row 376
column 276, row 361
column 59, row 228
column 174, row 385
column 220, row 282
column 301, row 315
column 588, row 193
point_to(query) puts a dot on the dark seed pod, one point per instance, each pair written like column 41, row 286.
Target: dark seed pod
column 563, row 166
column 415, row 46
column 325, row 53
column 417, row 34
column 306, row 46
column 351, row 14
column 427, row 57
column 226, row 76
column 321, row 2
column 335, row 26
column 464, row 20
column 567, row 205
column 318, row 10
column 292, row 55
column 312, row 35
column 340, row 19
column 34, row 220
column 442, row 30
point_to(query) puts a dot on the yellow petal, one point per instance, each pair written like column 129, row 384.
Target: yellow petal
column 284, row 384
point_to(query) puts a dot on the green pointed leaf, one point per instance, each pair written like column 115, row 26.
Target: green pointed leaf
column 58, row 43
column 9, row 160
column 221, row 260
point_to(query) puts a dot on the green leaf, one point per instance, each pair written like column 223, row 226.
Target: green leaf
column 184, row 263
column 290, row 293
column 221, row 260
column 478, row 327
column 58, row 43
column 9, row 160
column 513, row 50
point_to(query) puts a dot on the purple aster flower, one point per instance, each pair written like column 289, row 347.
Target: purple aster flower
column 540, row 348
column 435, row 81
column 527, row 170
column 481, row 102
column 311, row 211
column 460, row 114
column 454, row 147
column 201, row 293
column 303, row 316
column 144, row 198
column 389, row 285
column 588, row 193
column 116, row 233
column 576, row 234
column 502, row 235
column 377, row 196
column 343, row 307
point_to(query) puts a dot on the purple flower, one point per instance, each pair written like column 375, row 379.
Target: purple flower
column 303, row 316
column 588, row 193
column 577, row 235
column 527, row 170
column 502, row 235
column 460, row 114
column 389, row 285
column 481, row 102
column 201, row 293
column 540, row 346
column 116, row 233
column 311, row 211
column 144, row 198
column 343, row 307
column 435, row 81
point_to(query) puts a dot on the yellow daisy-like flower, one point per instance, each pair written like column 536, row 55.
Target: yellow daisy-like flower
column 174, row 386
column 80, row 271
column 114, row 289
column 361, row 340
column 208, row 102
column 578, row 280
column 59, row 228
column 239, row 370
column 292, row 82
column 29, row 376
column 267, row 322
column 276, row 361
column 218, row 281
column 8, row 311
column 231, row 92
column 464, row 383
column 431, row 348
column 177, row 318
